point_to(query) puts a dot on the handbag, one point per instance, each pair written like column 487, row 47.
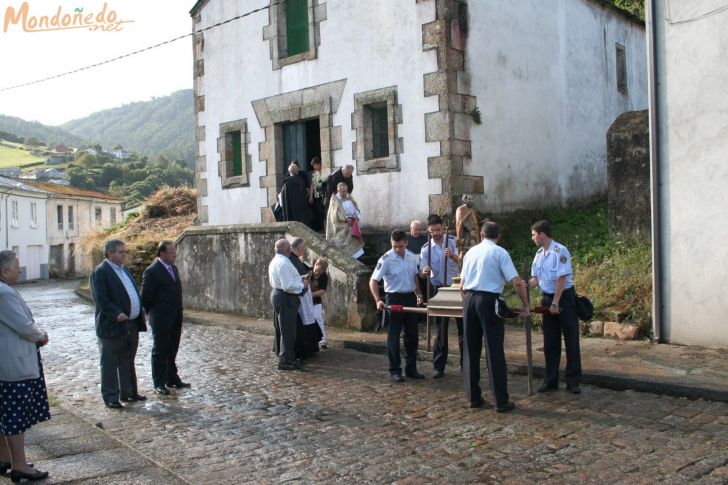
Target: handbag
column 503, row 310
column 584, row 308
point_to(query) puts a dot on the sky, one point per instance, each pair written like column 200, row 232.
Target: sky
column 29, row 56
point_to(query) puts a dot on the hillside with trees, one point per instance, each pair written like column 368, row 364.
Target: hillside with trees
column 133, row 180
column 163, row 126
column 18, row 130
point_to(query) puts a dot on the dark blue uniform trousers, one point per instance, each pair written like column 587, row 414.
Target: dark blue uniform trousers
column 565, row 322
column 397, row 323
column 480, row 320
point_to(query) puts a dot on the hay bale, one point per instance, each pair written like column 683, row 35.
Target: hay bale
column 169, row 201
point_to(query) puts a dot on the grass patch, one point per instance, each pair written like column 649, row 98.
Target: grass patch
column 12, row 156
column 53, row 401
column 614, row 272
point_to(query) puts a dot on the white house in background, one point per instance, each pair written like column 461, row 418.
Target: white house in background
column 396, row 88
column 71, row 214
column 23, row 226
column 689, row 135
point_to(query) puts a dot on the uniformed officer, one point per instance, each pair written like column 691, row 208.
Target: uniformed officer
column 551, row 271
column 486, row 269
column 433, row 261
column 398, row 268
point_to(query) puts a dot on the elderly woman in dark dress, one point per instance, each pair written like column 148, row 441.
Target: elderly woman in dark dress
column 23, row 398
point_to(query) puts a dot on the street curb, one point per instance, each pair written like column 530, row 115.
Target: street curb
column 96, row 428
column 614, row 382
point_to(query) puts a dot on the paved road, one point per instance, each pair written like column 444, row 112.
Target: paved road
column 341, row 421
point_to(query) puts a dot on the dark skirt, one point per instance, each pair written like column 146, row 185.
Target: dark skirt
column 23, row 404
column 307, row 339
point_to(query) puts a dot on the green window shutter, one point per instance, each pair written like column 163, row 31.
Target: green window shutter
column 233, row 139
column 380, row 132
column 296, row 26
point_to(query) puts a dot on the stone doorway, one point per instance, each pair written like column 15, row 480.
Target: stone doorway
column 302, row 142
column 305, row 107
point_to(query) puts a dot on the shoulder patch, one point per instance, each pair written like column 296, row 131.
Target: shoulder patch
column 379, row 264
column 563, row 259
column 557, row 249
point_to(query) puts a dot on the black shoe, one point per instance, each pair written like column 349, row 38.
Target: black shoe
column 509, row 406
column 438, row 374
column 415, row 375
column 135, row 398
column 477, row 404
column 16, row 476
column 114, row 405
column 6, row 467
column 162, row 390
column 180, row 385
column 575, row 389
column 295, row 365
column 547, row 388
column 396, row 377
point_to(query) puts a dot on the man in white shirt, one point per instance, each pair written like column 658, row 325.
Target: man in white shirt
column 486, row 269
column 119, row 320
column 287, row 286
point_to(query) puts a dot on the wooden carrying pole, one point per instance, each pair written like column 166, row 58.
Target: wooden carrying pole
column 529, row 356
column 444, row 321
column 429, row 283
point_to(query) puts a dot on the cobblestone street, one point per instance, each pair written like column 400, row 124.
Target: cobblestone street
column 342, row 421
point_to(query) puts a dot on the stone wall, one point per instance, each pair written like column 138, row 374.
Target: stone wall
column 225, row 269
column 628, row 173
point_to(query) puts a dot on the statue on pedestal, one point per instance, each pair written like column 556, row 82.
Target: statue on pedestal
column 467, row 227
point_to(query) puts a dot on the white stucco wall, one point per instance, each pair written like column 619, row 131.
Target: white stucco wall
column 692, row 101
column 372, row 44
column 544, row 76
column 29, row 238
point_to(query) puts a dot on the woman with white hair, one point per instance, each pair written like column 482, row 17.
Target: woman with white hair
column 23, row 396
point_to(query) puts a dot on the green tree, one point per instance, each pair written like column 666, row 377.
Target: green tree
column 32, row 141
column 635, row 7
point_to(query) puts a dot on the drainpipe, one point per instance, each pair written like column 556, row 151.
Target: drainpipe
column 656, row 207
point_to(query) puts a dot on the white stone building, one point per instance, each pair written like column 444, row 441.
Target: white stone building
column 394, row 87
column 23, row 226
column 689, row 131
column 71, row 214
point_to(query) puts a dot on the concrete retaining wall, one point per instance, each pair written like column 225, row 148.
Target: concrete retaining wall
column 225, row 269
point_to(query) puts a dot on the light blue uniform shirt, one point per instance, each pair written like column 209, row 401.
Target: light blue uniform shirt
column 398, row 272
column 551, row 263
column 437, row 264
column 130, row 288
column 487, row 267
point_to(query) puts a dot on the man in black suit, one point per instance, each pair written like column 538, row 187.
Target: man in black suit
column 119, row 319
column 344, row 174
column 162, row 299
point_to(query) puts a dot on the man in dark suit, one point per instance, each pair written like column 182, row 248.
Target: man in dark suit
column 119, row 319
column 344, row 174
column 162, row 299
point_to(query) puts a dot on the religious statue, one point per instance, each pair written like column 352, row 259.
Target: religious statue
column 467, row 227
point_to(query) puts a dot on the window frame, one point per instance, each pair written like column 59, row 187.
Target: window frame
column 34, row 215
column 368, row 158
column 276, row 32
column 71, row 218
column 59, row 216
column 230, row 133
column 620, row 66
column 14, row 214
